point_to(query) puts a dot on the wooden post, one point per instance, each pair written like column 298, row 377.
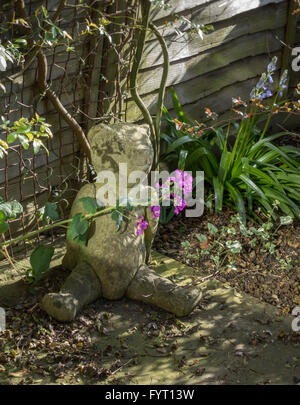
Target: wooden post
column 290, row 35
column 94, row 63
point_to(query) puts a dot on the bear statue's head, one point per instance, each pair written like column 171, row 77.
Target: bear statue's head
column 121, row 143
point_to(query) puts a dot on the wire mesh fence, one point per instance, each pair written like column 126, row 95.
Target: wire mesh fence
column 89, row 75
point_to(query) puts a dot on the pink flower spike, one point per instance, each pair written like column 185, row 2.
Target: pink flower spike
column 155, row 211
column 141, row 225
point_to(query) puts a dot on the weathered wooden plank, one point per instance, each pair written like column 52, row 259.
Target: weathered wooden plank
column 240, row 48
column 200, row 87
column 212, row 11
column 295, row 76
column 220, row 101
column 268, row 18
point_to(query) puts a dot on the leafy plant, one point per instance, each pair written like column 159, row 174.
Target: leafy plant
column 222, row 245
column 251, row 171
column 8, row 210
column 40, row 260
column 26, row 132
column 48, row 213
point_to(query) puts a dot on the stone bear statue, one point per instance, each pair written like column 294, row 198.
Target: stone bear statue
column 114, row 264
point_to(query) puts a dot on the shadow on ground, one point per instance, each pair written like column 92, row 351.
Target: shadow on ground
column 231, row 338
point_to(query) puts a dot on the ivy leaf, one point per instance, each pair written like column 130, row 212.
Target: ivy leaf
column 234, row 247
column 286, row 220
column 9, row 210
column 117, row 216
column 89, row 204
column 202, row 238
column 212, row 229
column 78, row 227
column 186, row 244
column 50, row 212
column 81, row 240
column 40, row 260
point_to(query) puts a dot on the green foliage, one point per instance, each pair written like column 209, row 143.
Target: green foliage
column 120, row 213
column 48, row 212
column 40, row 261
column 187, row 25
column 222, row 245
column 212, row 229
column 249, row 172
column 89, row 204
column 78, row 230
column 8, row 210
column 3, row 227
column 117, row 216
column 201, row 238
column 26, row 132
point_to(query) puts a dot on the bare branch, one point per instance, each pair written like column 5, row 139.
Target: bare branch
column 42, row 79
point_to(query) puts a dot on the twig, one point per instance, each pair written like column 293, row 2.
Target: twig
column 123, row 365
column 210, row 276
column 141, row 38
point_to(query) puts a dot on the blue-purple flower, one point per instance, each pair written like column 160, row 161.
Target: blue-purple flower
column 283, row 82
column 262, row 89
column 272, row 65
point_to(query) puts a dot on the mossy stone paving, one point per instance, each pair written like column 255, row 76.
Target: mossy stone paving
column 231, row 338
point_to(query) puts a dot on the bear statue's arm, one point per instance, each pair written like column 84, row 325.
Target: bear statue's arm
column 70, row 259
column 88, row 190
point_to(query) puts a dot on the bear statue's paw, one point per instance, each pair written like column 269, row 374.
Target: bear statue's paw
column 61, row 306
column 187, row 300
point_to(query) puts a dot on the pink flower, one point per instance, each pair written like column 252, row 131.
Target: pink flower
column 141, row 225
column 155, row 211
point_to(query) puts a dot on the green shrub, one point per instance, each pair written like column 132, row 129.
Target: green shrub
column 249, row 172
